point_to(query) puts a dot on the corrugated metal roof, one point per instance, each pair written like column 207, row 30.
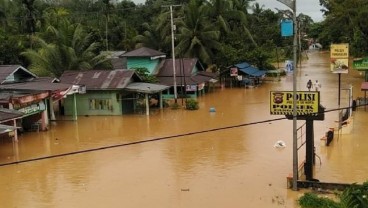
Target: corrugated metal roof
column 252, row 71
column 100, row 79
column 243, row 65
column 8, row 114
column 184, row 72
column 6, row 95
column 38, row 84
column 146, row 87
column 143, row 52
column 8, row 70
column 184, row 66
column 113, row 54
column 5, row 129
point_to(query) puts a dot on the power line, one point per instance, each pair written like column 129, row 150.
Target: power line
column 136, row 142
column 154, row 139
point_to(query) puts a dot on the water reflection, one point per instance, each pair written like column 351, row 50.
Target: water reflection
column 233, row 167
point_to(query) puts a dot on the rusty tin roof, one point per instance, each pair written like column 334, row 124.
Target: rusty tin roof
column 100, row 79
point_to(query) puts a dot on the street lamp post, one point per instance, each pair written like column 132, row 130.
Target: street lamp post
column 292, row 5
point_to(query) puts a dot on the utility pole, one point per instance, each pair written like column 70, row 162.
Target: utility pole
column 295, row 136
column 292, row 5
column 173, row 53
column 173, row 50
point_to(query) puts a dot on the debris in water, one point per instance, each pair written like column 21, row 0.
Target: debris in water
column 280, row 144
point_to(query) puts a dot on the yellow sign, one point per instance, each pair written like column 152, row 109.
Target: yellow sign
column 339, row 51
column 339, row 58
column 281, row 102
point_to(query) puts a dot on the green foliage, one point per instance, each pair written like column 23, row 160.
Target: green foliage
column 191, row 104
column 346, row 22
column 355, row 196
column 144, row 74
column 311, row 200
column 10, row 48
column 175, row 106
column 64, row 47
column 197, row 36
column 217, row 32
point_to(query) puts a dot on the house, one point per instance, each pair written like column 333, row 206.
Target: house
column 23, row 91
column 117, row 62
column 243, row 74
column 143, row 58
column 189, row 77
column 108, row 92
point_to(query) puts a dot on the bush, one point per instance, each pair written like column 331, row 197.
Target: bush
column 311, row 200
column 191, row 104
column 175, row 106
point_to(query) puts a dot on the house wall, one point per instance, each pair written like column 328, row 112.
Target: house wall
column 94, row 103
column 195, row 70
column 169, row 94
column 143, row 62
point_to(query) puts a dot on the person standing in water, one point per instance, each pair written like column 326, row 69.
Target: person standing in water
column 317, row 85
column 309, row 85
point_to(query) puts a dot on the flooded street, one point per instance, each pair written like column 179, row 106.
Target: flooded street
column 192, row 159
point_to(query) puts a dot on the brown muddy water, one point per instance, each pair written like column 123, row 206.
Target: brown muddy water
column 226, row 167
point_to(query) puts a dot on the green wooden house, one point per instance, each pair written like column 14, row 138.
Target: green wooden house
column 108, row 92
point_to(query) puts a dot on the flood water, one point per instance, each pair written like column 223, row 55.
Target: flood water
column 200, row 159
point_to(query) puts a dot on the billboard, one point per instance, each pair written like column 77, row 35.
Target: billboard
column 281, row 102
column 360, row 64
column 339, row 56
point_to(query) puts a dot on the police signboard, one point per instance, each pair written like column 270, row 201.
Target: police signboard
column 281, row 102
column 339, row 58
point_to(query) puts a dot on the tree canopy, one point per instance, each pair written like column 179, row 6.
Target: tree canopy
column 72, row 34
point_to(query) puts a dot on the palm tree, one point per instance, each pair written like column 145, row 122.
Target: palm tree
column 68, row 47
column 156, row 34
column 30, row 17
column 218, row 12
column 197, row 36
column 3, row 13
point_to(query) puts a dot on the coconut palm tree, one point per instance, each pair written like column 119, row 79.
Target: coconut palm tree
column 197, row 37
column 68, row 47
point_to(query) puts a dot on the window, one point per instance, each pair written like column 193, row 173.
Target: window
column 100, row 104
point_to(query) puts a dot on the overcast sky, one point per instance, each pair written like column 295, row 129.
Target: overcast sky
column 307, row 7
